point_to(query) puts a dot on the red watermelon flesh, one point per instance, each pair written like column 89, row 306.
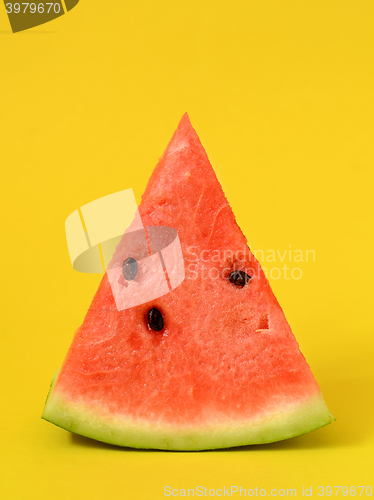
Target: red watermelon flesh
column 224, row 371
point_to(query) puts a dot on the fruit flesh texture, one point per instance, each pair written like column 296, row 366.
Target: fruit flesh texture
column 226, row 362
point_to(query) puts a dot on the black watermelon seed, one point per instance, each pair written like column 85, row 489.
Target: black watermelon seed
column 155, row 319
column 129, row 269
column 239, row 278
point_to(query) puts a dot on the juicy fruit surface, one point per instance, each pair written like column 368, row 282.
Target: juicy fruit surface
column 226, row 354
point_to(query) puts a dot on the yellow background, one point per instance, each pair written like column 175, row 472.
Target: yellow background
column 281, row 94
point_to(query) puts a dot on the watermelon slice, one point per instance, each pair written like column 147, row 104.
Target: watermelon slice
column 213, row 363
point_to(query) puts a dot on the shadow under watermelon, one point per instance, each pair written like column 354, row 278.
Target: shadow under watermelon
column 350, row 401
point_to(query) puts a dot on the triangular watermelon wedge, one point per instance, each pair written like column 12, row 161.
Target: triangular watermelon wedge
column 225, row 369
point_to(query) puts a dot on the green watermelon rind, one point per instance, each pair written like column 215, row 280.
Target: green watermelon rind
column 290, row 420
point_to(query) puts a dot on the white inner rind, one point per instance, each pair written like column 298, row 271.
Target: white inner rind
column 289, row 420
